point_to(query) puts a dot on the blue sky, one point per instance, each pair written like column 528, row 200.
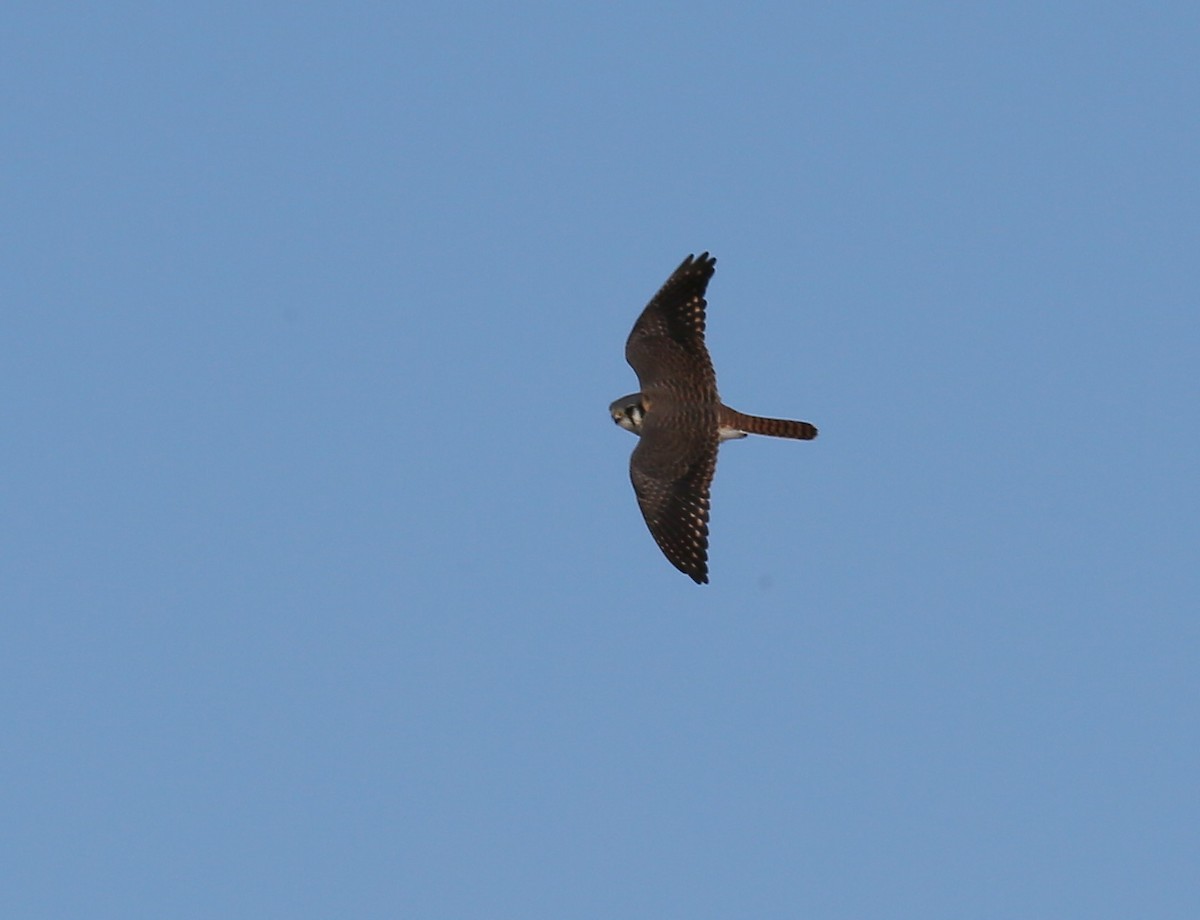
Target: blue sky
column 325, row 592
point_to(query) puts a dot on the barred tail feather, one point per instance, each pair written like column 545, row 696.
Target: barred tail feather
column 772, row 427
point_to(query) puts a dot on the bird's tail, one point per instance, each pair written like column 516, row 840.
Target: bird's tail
column 772, row 427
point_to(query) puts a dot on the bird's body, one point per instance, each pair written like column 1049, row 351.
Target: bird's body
column 629, row 412
column 680, row 418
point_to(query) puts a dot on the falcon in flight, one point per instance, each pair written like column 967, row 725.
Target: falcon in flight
column 680, row 418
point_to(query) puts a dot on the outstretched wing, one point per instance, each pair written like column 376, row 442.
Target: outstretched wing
column 666, row 347
column 672, row 470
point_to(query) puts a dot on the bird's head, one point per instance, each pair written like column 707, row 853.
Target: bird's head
column 629, row 411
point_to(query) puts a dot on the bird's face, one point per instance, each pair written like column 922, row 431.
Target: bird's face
column 628, row 412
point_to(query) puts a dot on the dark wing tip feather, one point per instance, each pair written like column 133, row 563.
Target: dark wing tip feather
column 681, row 552
column 703, row 261
column 694, row 270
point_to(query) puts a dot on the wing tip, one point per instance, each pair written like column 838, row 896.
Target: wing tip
column 704, row 261
column 695, row 568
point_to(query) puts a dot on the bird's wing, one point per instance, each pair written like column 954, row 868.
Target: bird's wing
column 666, row 346
column 672, row 470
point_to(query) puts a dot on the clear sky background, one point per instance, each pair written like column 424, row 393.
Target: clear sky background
column 324, row 589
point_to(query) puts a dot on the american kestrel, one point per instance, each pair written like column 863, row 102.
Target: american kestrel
column 680, row 418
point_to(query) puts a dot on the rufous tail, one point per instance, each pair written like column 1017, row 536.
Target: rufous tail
column 772, row 427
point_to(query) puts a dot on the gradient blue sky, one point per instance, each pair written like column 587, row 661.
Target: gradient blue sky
column 324, row 590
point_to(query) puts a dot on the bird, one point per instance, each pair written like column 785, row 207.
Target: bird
column 680, row 419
